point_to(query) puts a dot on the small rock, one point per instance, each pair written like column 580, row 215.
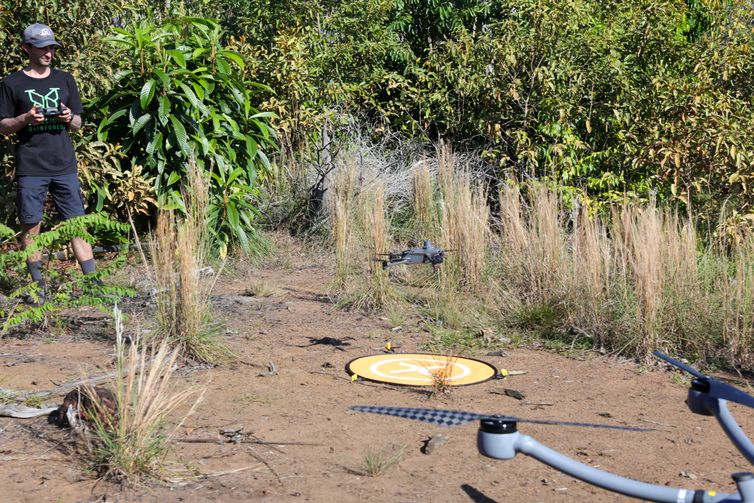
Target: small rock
column 513, row 393
column 232, row 430
column 434, row 442
column 688, row 475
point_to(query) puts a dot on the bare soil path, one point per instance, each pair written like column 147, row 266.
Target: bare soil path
column 298, row 442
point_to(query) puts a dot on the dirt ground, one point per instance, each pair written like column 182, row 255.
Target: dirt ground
column 299, row 441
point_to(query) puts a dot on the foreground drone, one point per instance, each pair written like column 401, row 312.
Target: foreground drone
column 498, row 438
column 425, row 254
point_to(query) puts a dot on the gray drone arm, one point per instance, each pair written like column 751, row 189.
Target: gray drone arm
column 498, row 444
column 700, row 402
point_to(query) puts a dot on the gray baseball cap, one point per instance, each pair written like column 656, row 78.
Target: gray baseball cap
column 39, row 35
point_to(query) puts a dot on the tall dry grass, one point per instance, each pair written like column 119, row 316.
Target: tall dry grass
column 673, row 278
column 423, row 203
column 629, row 281
column 464, row 225
column 737, row 291
column 341, row 207
column 179, row 253
column 533, row 243
column 373, row 231
column 637, row 280
column 590, row 278
column 134, row 444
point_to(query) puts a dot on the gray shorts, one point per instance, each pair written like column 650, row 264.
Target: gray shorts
column 32, row 193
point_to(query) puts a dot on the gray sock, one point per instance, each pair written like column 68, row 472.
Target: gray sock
column 35, row 269
column 88, row 266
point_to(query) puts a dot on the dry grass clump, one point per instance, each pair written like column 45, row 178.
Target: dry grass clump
column 341, row 206
column 134, row 443
column 533, row 242
column 441, row 384
column 657, row 257
column 179, row 254
column 464, row 225
column 259, row 288
column 590, row 282
column 379, row 292
column 376, row 462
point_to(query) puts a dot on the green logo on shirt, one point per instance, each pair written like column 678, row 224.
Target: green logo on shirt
column 51, row 99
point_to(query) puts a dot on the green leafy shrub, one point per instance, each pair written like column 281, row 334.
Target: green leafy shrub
column 65, row 288
column 179, row 97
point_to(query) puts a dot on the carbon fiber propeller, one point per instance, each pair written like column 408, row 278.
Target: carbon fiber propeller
column 459, row 417
column 713, row 387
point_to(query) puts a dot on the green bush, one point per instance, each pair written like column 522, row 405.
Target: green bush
column 179, row 98
column 65, row 288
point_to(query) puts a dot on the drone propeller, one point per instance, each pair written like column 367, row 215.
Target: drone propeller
column 713, row 387
column 428, row 252
column 460, row 417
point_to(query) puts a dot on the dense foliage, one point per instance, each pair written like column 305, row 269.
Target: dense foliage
column 178, row 98
column 615, row 100
column 159, row 94
column 65, row 288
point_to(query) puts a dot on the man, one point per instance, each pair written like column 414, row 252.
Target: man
column 40, row 105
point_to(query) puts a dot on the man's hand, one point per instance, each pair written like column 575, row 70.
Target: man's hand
column 33, row 117
column 13, row 125
column 71, row 120
column 67, row 116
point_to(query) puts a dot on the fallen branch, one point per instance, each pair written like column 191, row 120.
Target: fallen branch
column 19, row 411
column 202, row 476
column 220, row 441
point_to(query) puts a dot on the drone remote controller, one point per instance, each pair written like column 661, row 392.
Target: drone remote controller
column 51, row 111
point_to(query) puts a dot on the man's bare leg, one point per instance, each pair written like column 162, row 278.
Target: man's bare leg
column 83, row 253
column 34, row 262
column 28, row 233
column 81, row 250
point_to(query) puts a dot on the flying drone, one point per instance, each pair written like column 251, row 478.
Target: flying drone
column 425, row 254
column 498, row 438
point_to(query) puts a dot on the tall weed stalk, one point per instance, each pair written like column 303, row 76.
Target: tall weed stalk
column 424, row 205
column 379, row 292
column 464, row 225
column 341, row 215
column 179, row 253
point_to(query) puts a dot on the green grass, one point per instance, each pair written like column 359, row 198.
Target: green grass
column 36, row 401
column 377, row 462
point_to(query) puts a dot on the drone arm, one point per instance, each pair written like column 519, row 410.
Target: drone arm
column 719, row 408
column 506, row 445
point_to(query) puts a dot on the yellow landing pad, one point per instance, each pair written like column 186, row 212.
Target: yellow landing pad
column 421, row 369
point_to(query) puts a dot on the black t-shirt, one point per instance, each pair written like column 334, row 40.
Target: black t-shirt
column 42, row 149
